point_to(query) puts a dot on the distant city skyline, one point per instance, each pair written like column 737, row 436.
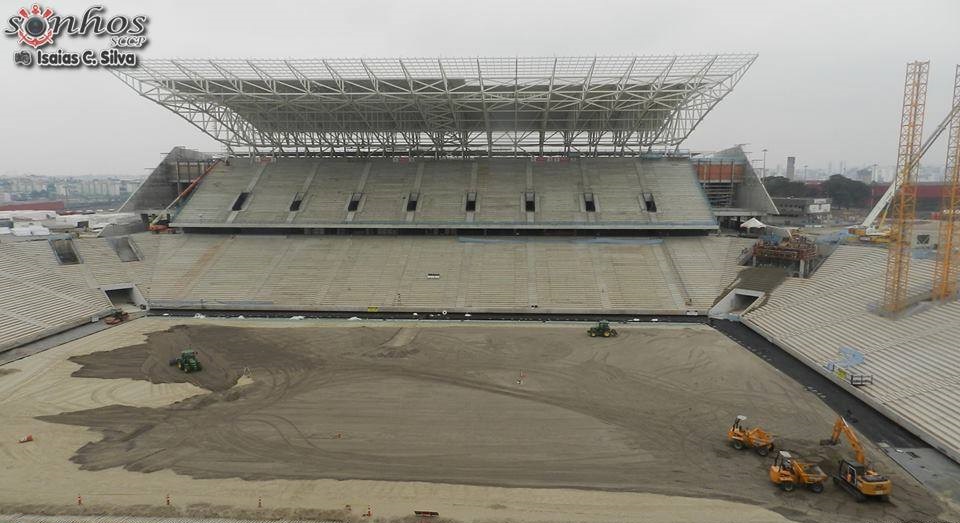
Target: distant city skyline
column 32, row 187
column 885, row 172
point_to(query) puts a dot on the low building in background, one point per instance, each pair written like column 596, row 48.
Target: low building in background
column 34, row 205
column 801, row 211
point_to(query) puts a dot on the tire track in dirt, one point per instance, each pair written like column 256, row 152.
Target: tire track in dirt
column 644, row 412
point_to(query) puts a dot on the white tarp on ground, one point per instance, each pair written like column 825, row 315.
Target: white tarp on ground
column 30, row 230
column 752, row 223
column 98, row 220
column 52, row 219
column 28, row 216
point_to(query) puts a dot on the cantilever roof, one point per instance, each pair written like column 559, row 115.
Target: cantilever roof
column 587, row 105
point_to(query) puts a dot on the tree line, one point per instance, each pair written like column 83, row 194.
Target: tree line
column 844, row 192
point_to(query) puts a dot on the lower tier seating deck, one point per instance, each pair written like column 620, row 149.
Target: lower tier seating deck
column 913, row 360
column 546, row 193
column 468, row 273
column 38, row 296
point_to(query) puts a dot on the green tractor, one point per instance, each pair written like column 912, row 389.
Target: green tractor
column 602, row 329
column 187, row 362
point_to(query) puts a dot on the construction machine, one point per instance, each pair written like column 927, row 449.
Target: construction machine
column 603, row 329
column 788, row 472
column 116, row 317
column 872, row 229
column 756, row 438
column 856, row 476
column 187, row 361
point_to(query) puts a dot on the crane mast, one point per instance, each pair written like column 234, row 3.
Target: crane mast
column 947, row 269
column 878, row 215
column 905, row 201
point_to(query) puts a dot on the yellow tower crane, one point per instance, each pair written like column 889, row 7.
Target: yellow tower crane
column 872, row 229
column 947, row 269
column 905, row 201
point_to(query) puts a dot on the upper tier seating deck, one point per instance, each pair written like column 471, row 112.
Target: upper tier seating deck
column 443, row 192
column 507, row 193
column 212, row 201
column 278, row 186
column 331, row 184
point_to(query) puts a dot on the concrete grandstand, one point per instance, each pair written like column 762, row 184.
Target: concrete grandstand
column 357, row 273
column 581, row 194
column 912, row 359
column 566, row 146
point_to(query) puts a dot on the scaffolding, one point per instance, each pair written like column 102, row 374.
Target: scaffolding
column 947, row 269
column 719, row 178
column 588, row 106
column 905, row 201
column 796, row 253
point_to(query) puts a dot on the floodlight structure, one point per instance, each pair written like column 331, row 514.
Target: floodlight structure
column 590, row 106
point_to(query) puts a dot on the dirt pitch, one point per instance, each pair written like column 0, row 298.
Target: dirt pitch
column 521, row 406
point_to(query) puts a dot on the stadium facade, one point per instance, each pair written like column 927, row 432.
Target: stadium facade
column 563, row 146
column 571, row 145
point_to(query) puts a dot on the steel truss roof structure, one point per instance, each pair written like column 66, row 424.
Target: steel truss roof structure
column 443, row 106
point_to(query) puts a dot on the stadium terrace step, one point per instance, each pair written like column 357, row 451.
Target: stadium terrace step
column 913, row 359
column 39, row 295
column 621, row 190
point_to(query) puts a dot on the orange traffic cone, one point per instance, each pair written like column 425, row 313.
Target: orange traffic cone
column 26, row 439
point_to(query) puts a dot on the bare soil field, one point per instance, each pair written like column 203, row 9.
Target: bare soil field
column 521, row 407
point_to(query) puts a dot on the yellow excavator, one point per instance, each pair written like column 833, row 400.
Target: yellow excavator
column 856, row 476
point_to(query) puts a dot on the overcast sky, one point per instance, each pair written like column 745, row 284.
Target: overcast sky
column 827, row 86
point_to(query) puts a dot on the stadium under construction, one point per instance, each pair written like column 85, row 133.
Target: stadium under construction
column 387, row 276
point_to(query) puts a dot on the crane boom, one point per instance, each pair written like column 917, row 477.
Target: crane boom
column 856, row 476
column 884, row 200
column 880, row 206
column 841, row 427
